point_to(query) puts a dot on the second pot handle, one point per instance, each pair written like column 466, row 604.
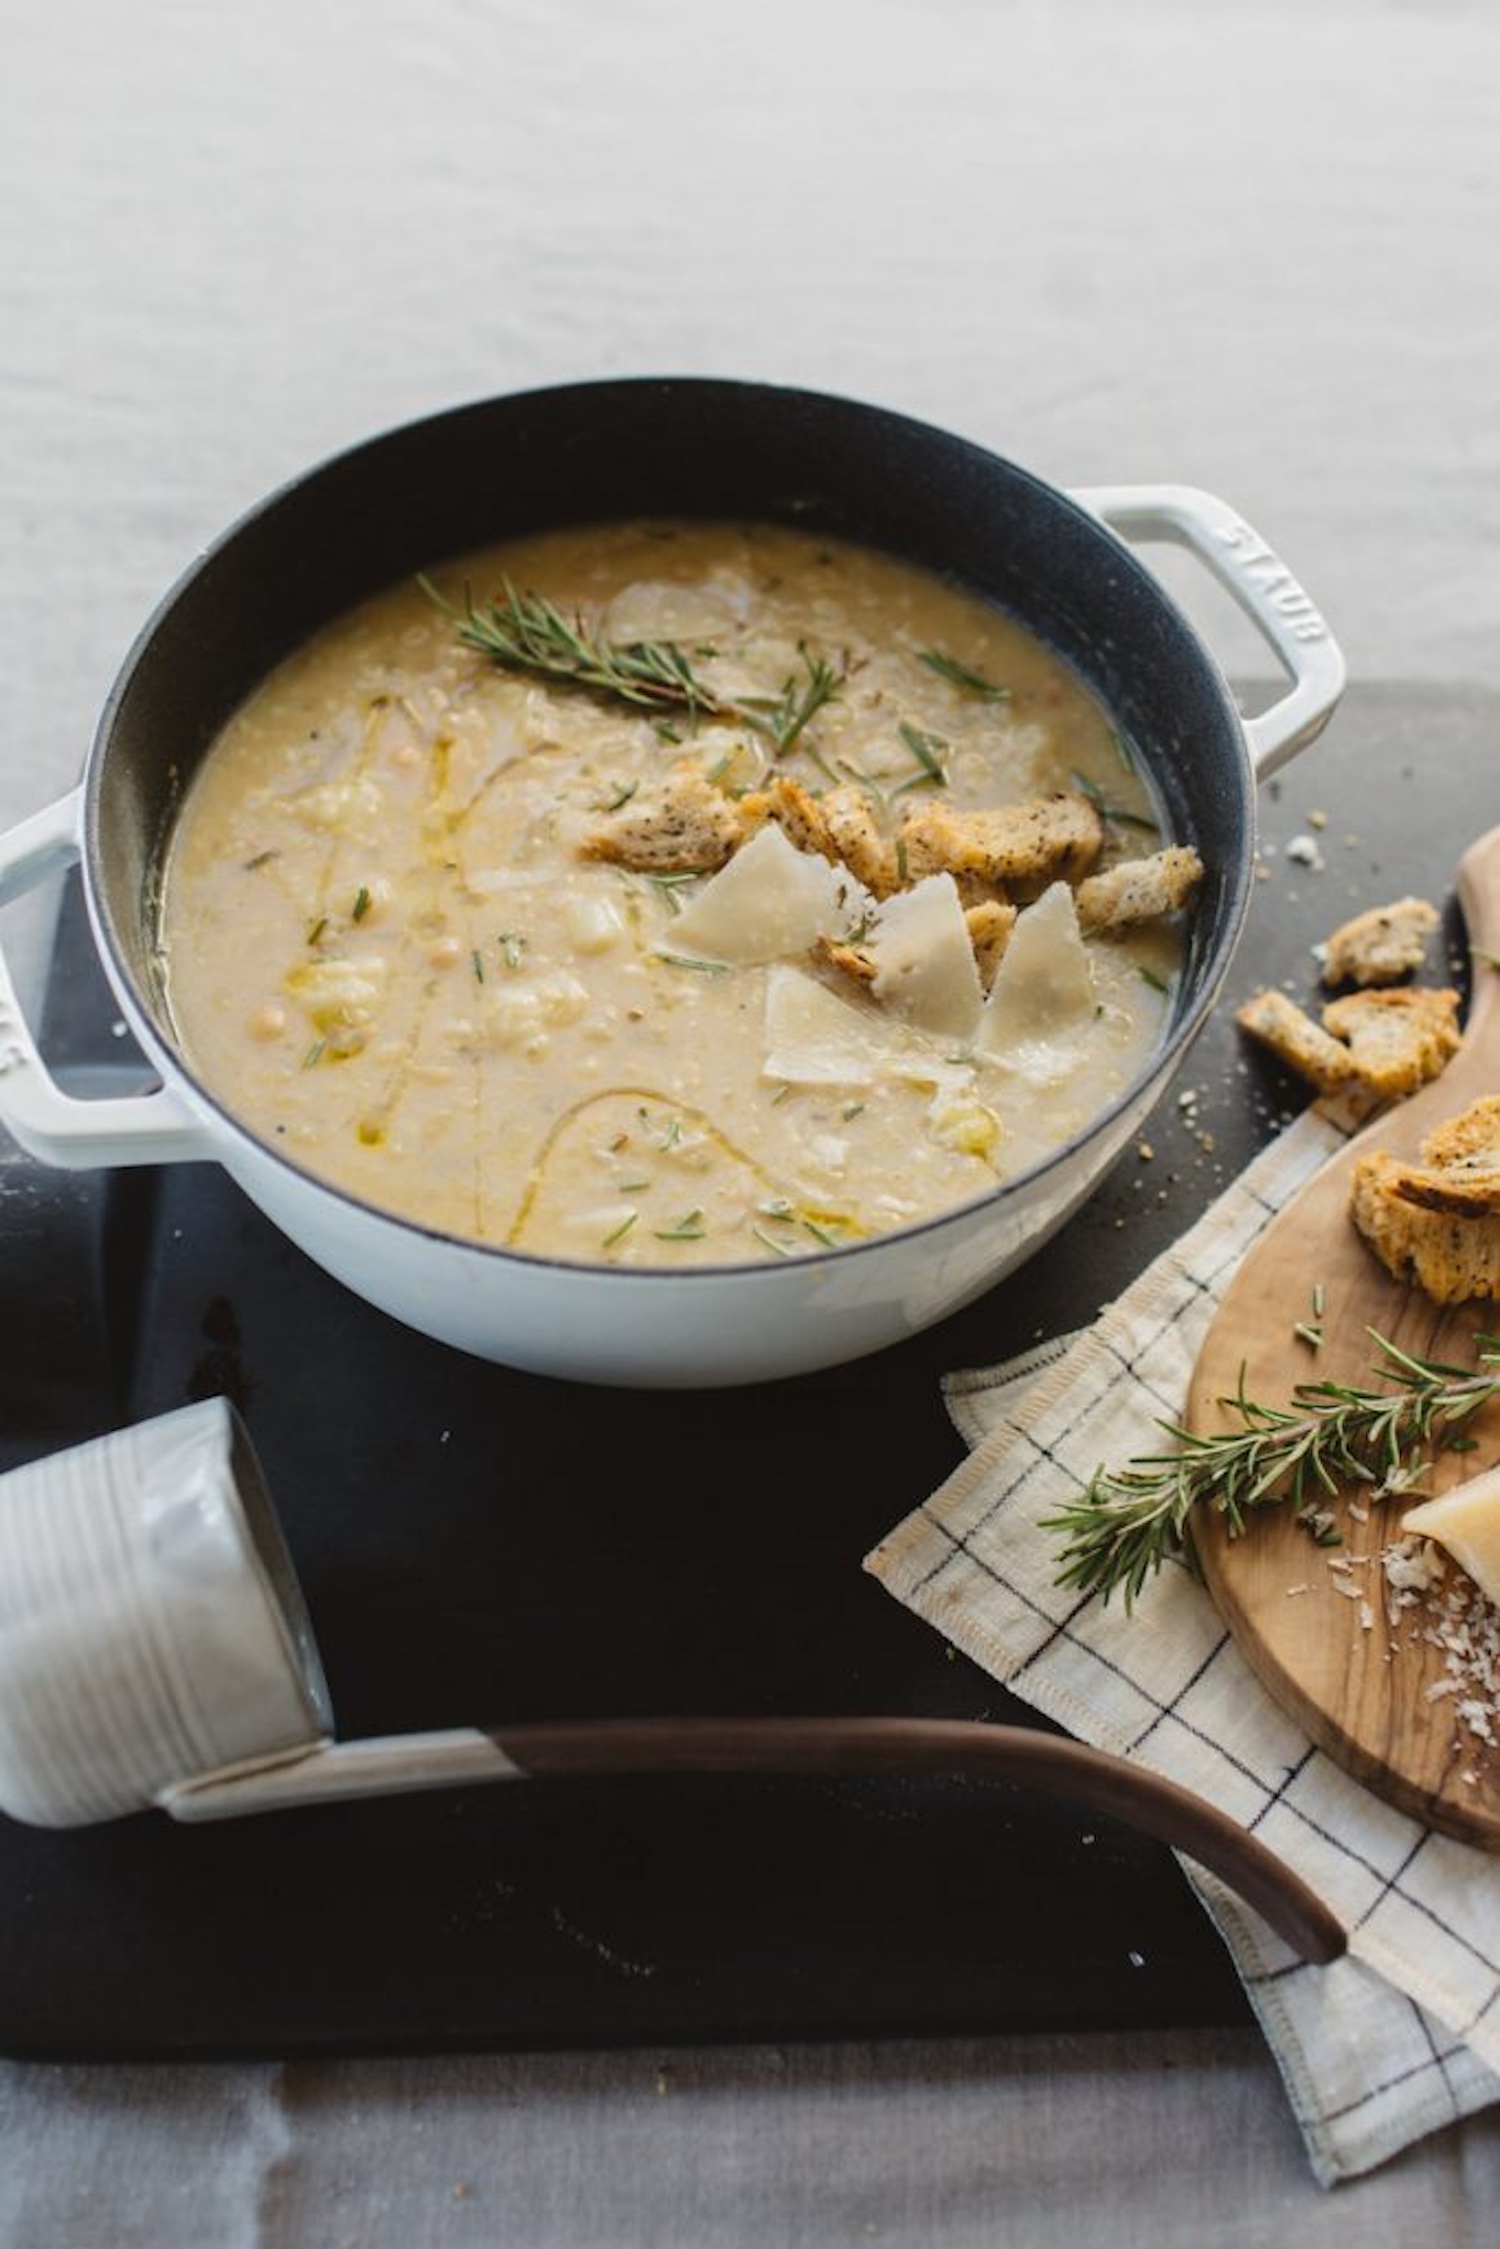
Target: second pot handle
column 54, row 1126
column 1264, row 589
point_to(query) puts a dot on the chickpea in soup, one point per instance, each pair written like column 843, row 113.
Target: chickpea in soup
column 681, row 894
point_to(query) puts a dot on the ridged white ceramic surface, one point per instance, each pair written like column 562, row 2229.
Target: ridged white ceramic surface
column 142, row 1638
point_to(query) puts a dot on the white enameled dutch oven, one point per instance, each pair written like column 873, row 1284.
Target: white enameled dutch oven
column 592, row 453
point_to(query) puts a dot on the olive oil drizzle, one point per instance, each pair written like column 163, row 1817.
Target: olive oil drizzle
column 816, row 1221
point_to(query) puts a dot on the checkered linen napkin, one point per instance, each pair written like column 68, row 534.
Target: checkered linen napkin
column 1403, row 2035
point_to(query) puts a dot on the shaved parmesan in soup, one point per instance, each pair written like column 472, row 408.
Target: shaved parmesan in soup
column 668, row 894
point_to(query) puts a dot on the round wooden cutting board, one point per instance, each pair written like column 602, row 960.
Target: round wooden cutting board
column 1356, row 1681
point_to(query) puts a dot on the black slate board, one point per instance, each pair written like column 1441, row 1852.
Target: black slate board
column 480, row 1544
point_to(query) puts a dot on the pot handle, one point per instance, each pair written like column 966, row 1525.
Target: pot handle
column 1259, row 581
column 49, row 1124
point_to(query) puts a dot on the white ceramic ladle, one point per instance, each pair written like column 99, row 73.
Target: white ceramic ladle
column 155, row 1649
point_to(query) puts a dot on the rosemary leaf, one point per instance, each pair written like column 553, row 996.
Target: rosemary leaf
column 782, row 718
column 862, row 780
column 688, row 1229
column 1117, row 815
column 690, row 960
column 960, row 675
column 924, row 748
column 670, row 885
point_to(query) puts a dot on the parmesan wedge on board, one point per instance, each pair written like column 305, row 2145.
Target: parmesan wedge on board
column 1467, row 1522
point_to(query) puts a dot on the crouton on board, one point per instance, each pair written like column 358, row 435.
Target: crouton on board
column 1295, row 1039
column 1438, row 1220
column 1398, row 1040
column 1380, row 946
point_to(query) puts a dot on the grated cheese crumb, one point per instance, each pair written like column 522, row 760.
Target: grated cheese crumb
column 1455, row 1618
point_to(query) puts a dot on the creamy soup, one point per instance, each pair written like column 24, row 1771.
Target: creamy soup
column 666, row 894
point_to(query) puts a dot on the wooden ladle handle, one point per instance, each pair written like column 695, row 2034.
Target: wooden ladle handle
column 1050, row 1763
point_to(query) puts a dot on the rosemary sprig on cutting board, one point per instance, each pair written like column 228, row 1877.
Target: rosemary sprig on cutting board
column 1133, row 1519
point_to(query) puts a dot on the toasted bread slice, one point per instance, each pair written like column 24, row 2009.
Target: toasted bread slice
column 841, row 826
column 1438, row 1219
column 990, row 925
column 1470, row 1138
column 795, row 810
column 1452, row 1259
column 1381, row 946
column 1295, row 1039
column 682, row 826
column 858, row 840
column 849, row 959
column 1459, row 1171
column 1018, row 848
column 1139, row 890
column 1398, row 1040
